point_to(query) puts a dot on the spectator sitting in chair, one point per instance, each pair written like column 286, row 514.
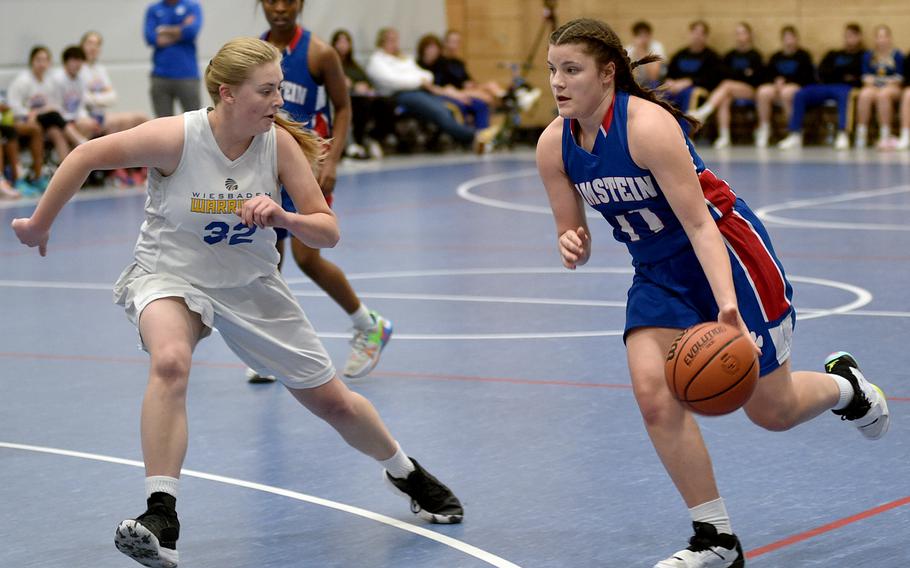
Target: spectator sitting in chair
column 412, row 87
column 788, row 70
column 367, row 107
column 839, row 73
column 696, row 65
column 744, row 71
column 429, row 56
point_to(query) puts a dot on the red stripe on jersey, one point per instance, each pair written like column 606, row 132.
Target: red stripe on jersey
column 717, row 191
column 756, row 260
column 608, row 118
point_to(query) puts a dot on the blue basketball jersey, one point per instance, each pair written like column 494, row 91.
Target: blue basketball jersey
column 629, row 197
column 670, row 288
column 304, row 99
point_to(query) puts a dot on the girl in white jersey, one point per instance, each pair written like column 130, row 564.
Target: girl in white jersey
column 206, row 258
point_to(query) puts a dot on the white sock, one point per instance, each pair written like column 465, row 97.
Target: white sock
column 884, row 132
column 161, row 484
column 362, row 318
column 399, row 465
column 846, row 392
column 905, row 133
column 714, row 513
column 723, row 132
column 861, row 131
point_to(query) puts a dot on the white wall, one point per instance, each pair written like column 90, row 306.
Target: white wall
column 59, row 23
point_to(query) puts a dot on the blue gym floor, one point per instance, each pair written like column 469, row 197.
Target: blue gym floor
column 506, row 377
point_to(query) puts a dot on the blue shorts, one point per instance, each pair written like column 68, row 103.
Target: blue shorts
column 674, row 293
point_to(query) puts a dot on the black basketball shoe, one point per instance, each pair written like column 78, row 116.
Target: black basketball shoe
column 151, row 538
column 707, row 549
column 430, row 498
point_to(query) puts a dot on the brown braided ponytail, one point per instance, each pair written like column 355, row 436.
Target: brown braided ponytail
column 602, row 43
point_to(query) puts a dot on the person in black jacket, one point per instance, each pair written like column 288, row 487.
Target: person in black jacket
column 788, row 70
column 744, row 71
column 839, row 73
column 696, row 65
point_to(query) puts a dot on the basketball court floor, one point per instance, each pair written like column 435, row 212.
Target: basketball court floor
column 506, row 377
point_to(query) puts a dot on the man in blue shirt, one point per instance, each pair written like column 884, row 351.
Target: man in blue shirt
column 171, row 27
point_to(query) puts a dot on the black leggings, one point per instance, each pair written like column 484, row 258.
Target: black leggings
column 371, row 115
column 51, row 119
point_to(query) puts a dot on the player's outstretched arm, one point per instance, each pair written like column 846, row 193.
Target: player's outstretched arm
column 155, row 144
column 574, row 238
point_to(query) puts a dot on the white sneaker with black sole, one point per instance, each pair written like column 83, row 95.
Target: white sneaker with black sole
column 868, row 410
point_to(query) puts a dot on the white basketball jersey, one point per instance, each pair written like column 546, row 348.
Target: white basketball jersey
column 191, row 229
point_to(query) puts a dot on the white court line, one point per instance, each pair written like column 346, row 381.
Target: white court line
column 474, row 272
column 464, row 191
column 863, row 297
column 456, row 544
column 764, row 213
column 866, row 207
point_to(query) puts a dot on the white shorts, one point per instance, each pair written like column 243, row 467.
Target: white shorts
column 262, row 323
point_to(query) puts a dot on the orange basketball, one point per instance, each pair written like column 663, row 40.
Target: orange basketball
column 712, row 368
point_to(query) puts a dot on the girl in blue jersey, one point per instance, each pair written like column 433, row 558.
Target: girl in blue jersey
column 699, row 254
column 883, row 75
column 316, row 94
column 198, row 267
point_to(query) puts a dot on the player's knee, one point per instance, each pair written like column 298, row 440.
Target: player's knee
column 773, row 419
column 655, row 403
column 171, row 368
column 335, row 409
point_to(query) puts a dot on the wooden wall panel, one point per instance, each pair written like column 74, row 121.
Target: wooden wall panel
column 500, row 31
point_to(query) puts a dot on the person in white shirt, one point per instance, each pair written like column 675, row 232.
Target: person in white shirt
column 69, row 93
column 31, row 100
column 400, row 77
column 206, row 258
column 644, row 44
column 100, row 94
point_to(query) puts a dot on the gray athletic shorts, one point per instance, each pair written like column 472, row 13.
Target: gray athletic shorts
column 262, row 323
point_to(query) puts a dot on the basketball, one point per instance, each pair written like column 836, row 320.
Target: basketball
column 712, row 368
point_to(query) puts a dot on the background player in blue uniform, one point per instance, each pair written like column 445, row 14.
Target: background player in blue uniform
column 314, row 78
column 699, row 254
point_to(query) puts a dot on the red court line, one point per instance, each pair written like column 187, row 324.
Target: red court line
column 382, row 373
column 827, row 528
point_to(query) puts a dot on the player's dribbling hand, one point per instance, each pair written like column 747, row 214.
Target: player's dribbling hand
column 730, row 316
column 574, row 247
column 261, row 211
column 30, row 236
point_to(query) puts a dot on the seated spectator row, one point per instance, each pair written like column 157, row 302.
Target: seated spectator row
column 434, row 87
column 853, row 78
column 61, row 107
